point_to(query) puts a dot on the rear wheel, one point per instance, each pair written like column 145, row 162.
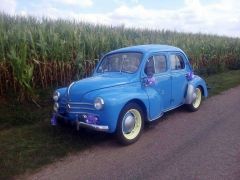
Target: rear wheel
column 130, row 124
column 195, row 105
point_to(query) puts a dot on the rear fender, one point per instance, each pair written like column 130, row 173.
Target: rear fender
column 192, row 85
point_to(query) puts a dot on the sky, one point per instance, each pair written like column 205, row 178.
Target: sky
column 220, row 17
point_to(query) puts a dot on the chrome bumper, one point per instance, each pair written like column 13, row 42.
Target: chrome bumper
column 86, row 125
column 92, row 126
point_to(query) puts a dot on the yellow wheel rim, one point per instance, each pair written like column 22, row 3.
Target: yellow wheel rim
column 197, row 101
column 131, row 124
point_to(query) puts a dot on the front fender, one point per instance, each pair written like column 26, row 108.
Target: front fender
column 62, row 91
column 115, row 98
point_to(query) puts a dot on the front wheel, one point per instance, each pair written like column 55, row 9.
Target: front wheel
column 130, row 124
column 194, row 106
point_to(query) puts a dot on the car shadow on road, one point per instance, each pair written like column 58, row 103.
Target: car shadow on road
column 84, row 137
column 166, row 116
column 89, row 137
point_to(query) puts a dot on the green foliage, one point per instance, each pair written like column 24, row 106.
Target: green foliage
column 223, row 81
column 55, row 52
column 22, row 71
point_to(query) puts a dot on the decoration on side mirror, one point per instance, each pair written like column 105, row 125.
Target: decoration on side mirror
column 190, row 76
column 148, row 81
column 151, row 80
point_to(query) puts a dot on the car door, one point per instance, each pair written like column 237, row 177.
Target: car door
column 178, row 76
column 159, row 92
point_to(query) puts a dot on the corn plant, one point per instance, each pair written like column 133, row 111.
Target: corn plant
column 47, row 53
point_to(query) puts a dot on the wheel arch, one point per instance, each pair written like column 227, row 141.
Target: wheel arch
column 141, row 104
column 202, row 90
column 199, row 82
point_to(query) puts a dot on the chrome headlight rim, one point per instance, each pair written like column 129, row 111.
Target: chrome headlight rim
column 98, row 103
column 55, row 107
column 56, row 96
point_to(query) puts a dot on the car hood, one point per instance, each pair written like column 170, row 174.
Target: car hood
column 79, row 88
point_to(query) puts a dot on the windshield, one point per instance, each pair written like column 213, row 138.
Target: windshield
column 120, row 62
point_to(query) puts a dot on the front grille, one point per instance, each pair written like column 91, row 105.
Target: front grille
column 75, row 107
column 80, row 106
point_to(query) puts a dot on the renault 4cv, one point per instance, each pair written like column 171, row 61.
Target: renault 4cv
column 130, row 86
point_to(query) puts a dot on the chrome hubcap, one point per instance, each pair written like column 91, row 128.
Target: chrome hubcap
column 128, row 122
column 197, row 101
column 131, row 124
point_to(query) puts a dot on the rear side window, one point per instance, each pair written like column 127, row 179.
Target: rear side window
column 160, row 63
column 156, row 64
column 177, row 62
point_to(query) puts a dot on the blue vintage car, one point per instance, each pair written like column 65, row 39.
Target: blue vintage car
column 130, row 86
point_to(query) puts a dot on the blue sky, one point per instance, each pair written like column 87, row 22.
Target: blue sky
column 220, row 17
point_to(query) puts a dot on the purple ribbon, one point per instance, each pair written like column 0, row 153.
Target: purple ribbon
column 190, row 76
column 91, row 119
column 53, row 120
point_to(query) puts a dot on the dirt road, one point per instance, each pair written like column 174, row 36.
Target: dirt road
column 183, row 145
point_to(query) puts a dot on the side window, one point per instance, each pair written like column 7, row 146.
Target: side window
column 160, row 63
column 177, row 62
column 149, row 67
column 156, row 64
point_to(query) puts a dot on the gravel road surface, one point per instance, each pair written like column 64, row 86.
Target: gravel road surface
column 181, row 145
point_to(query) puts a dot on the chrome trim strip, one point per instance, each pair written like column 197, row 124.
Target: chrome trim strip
column 76, row 103
column 69, row 88
column 81, row 112
column 82, row 108
column 166, row 110
column 156, row 117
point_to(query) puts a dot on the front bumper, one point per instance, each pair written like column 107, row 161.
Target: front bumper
column 79, row 124
column 92, row 126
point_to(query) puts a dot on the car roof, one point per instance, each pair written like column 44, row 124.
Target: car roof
column 150, row 48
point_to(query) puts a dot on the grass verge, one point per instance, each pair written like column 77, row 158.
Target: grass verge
column 27, row 141
column 223, row 81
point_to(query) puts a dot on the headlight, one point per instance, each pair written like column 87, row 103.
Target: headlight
column 55, row 106
column 56, row 96
column 98, row 103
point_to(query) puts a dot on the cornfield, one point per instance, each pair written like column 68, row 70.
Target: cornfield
column 45, row 53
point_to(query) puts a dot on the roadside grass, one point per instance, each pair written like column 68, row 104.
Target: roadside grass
column 223, row 81
column 27, row 141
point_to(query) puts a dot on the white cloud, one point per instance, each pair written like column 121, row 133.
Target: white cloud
column 81, row 3
column 8, row 6
column 222, row 17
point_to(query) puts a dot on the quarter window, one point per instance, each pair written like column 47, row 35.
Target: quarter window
column 177, row 62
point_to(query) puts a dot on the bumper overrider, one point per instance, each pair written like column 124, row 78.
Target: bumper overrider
column 79, row 122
